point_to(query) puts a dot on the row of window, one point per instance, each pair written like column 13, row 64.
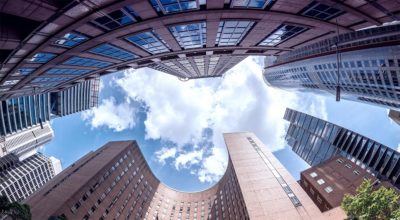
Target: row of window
column 327, row 189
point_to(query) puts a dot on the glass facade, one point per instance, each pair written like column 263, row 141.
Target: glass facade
column 25, row 71
column 70, row 40
column 281, row 34
column 321, row 11
column 190, row 35
column 81, row 61
column 316, row 141
column 17, row 114
column 150, row 42
column 230, row 33
column 173, row 6
column 42, row 57
column 116, row 19
column 113, row 52
column 250, row 3
column 67, row 71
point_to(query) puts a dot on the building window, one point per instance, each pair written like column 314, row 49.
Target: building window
column 42, row 57
column 70, row 40
column 356, row 172
column 340, row 160
column 80, row 61
column 230, row 33
column 113, row 52
column 42, row 80
column 150, row 42
column 312, row 191
column 313, row 174
column 117, row 18
column 319, row 199
column 250, row 3
column 67, row 71
column 328, row 189
column 348, row 165
column 24, row 71
column 321, row 11
column 320, row 181
column 281, row 34
column 190, row 35
column 173, row 6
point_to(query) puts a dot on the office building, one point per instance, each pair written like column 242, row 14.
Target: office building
column 115, row 181
column 317, row 141
column 65, row 42
column 77, row 98
column 24, row 142
column 19, row 114
column 328, row 182
column 360, row 66
column 22, row 178
column 395, row 116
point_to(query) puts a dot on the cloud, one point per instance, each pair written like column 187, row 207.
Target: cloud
column 185, row 160
column 165, row 153
column 114, row 116
column 398, row 148
column 180, row 112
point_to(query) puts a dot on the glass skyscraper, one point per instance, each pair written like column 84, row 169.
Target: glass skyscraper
column 365, row 65
column 17, row 114
column 317, row 141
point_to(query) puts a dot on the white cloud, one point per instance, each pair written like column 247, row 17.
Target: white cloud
column 398, row 148
column 115, row 116
column 185, row 160
column 213, row 167
column 240, row 101
column 165, row 153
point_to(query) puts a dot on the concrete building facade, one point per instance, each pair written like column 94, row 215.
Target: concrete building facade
column 22, row 178
column 65, row 42
column 317, row 141
column 328, row 182
column 395, row 116
column 361, row 66
column 116, row 182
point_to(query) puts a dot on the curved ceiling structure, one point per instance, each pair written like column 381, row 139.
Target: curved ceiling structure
column 51, row 45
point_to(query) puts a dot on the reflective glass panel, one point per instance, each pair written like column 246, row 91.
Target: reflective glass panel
column 190, row 35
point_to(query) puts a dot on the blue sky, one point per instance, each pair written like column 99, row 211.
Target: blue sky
column 179, row 125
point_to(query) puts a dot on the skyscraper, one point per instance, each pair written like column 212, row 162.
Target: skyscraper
column 80, row 97
column 364, row 65
column 65, row 42
column 395, row 116
column 316, row 141
column 19, row 114
column 23, row 142
column 22, row 178
column 116, row 182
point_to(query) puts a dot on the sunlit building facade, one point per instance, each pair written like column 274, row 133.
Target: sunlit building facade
column 317, row 141
column 23, row 178
column 365, row 65
column 115, row 181
column 80, row 97
column 65, row 42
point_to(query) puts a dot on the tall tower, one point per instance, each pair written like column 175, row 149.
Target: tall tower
column 116, row 182
column 22, row 178
column 24, row 142
column 77, row 98
column 361, row 66
column 316, row 141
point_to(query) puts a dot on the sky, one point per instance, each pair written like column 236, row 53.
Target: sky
column 179, row 125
